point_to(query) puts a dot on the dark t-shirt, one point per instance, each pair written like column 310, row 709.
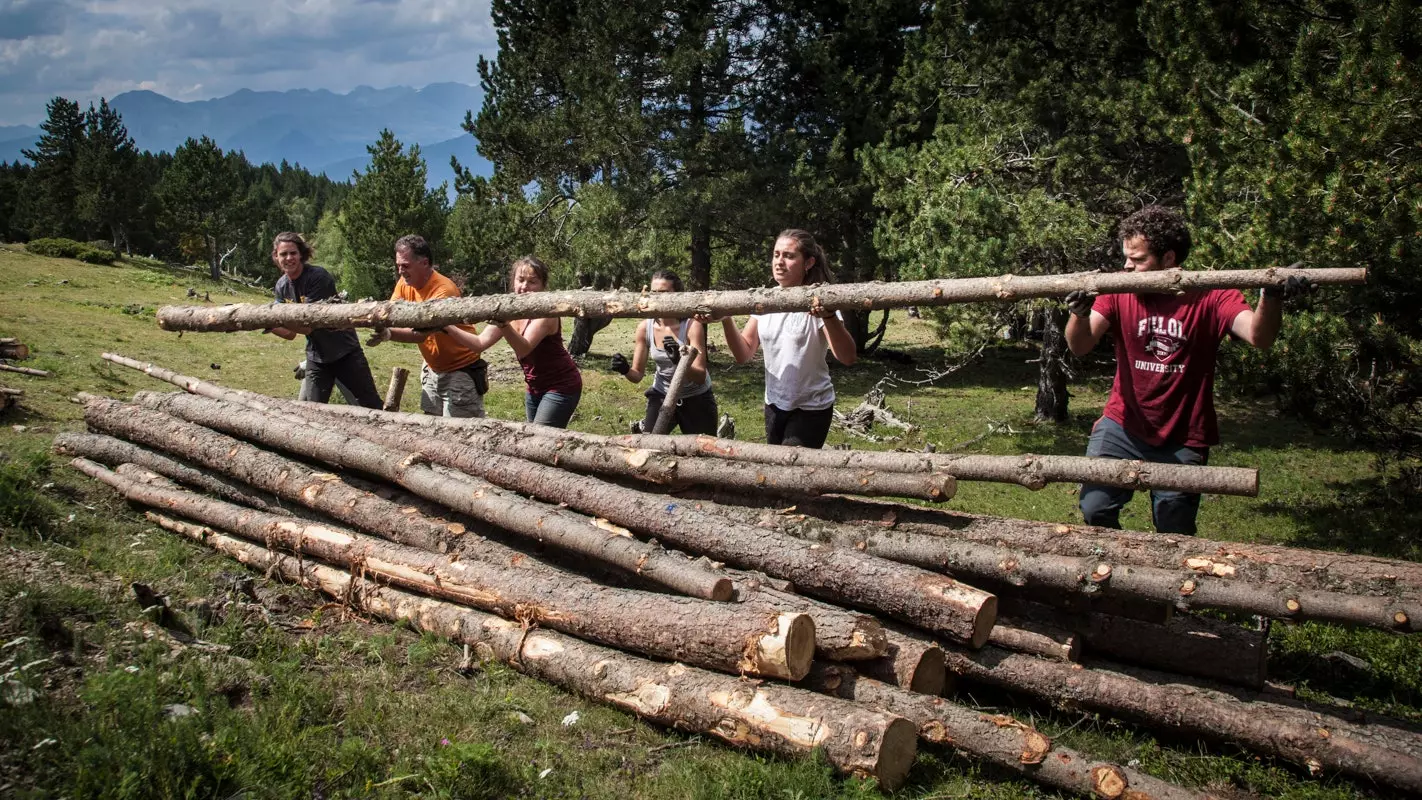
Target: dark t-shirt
column 315, row 284
column 1166, row 348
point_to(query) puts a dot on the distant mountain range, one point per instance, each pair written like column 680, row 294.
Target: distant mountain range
column 320, row 130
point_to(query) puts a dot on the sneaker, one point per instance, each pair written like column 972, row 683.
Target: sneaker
column 637, row 426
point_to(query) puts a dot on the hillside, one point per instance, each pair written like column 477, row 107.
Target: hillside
column 301, row 698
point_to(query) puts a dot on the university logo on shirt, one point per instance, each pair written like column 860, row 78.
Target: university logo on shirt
column 1164, row 338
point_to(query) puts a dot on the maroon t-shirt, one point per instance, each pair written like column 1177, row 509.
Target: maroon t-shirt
column 1166, row 347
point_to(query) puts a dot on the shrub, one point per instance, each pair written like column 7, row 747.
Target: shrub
column 91, row 256
column 68, row 248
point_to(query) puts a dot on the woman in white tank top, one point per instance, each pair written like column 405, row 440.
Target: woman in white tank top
column 799, row 397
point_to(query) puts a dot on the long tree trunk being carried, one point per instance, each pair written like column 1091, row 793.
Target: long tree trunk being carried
column 752, row 637
column 923, row 598
column 462, row 494
column 1316, row 738
column 666, row 416
column 999, row 739
column 681, row 305
column 766, row 717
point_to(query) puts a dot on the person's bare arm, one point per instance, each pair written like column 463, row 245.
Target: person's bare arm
column 478, row 342
column 841, row 342
column 523, row 343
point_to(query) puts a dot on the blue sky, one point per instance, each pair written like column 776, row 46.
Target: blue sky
column 199, row 49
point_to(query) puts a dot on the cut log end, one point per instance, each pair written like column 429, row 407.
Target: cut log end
column 930, row 674
column 787, row 651
column 1107, row 781
column 896, row 753
column 984, row 621
column 722, row 590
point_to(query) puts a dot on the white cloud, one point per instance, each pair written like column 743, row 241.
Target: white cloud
column 210, row 48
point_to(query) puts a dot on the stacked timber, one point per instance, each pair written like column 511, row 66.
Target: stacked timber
column 804, row 607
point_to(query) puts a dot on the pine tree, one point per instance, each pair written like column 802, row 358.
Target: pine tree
column 106, row 174
column 202, row 192
column 52, row 188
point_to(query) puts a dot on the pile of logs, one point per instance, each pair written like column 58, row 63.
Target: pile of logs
column 773, row 598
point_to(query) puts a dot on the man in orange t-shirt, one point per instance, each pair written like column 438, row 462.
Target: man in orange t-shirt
column 452, row 380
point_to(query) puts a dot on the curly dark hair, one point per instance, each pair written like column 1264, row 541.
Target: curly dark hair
column 1163, row 229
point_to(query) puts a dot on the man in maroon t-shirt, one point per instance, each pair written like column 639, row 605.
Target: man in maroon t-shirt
column 1162, row 405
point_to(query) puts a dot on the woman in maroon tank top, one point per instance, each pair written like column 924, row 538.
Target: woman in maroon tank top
column 554, row 383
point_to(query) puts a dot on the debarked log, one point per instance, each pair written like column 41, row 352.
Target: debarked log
column 462, row 494
column 1313, row 737
column 766, row 717
column 998, row 739
column 681, row 305
column 754, row 638
column 923, row 598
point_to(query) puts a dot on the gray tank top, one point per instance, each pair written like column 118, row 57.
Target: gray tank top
column 662, row 378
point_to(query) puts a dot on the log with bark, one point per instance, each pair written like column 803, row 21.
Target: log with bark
column 13, row 349
column 840, row 635
column 681, row 305
column 10, row 397
column 766, row 717
column 531, row 442
column 1035, row 637
column 535, row 520
column 1316, row 737
column 666, row 416
column 998, row 739
column 396, row 390
column 913, row 662
column 1091, row 574
column 1319, row 570
column 1187, row 643
column 24, row 370
column 923, row 598
column 111, row 451
column 753, row 637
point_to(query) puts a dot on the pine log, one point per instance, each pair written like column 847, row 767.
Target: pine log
column 1320, row 570
column 753, row 637
column 396, row 391
column 111, row 451
column 1031, row 471
column 920, row 597
column 765, row 717
column 666, row 416
column 1026, row 635
column 12, row 392
column 840, row 635
column 14, row 350
column 1316, row 738
column 1184, row 589
column 913, row 662
column 1188, row 644
column 998, row 739
column 24, row 370
column 681, row 305
column 531, row 442
column 540, row 522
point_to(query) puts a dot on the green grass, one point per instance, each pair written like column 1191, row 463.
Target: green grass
column 302, row 700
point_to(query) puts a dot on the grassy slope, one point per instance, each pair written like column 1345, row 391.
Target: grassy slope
column 309, row 703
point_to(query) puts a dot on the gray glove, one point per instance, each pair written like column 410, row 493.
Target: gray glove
column 672, row 348
column 1080, row 301
column 1292, row 289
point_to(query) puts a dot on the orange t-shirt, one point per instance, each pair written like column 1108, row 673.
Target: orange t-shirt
column 441, row 352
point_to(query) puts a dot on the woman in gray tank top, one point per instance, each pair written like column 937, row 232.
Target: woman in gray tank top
column 696, row 409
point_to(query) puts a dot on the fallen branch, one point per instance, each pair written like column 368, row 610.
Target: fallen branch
column 666, row 415
column 24, row 370
column 681, row 305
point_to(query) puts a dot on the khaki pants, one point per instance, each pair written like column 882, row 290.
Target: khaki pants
column 449, row 394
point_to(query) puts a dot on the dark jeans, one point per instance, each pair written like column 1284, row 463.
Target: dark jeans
column 553, row 409
column 1172, row 512
column 695, row 414
column 797, row 427
column 352, row 370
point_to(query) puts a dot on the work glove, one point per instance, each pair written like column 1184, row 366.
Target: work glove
column 619, row 364
column 377, row 336
column 672, row 348
column 1080, row 302
column 1293, row 288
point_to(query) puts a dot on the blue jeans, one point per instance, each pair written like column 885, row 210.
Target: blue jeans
column 553, row 409
column 1172, row 512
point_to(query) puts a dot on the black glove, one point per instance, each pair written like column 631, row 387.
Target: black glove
column 619, row 364
column 1080, row 301
column 673, row 349
column 1294, row 287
